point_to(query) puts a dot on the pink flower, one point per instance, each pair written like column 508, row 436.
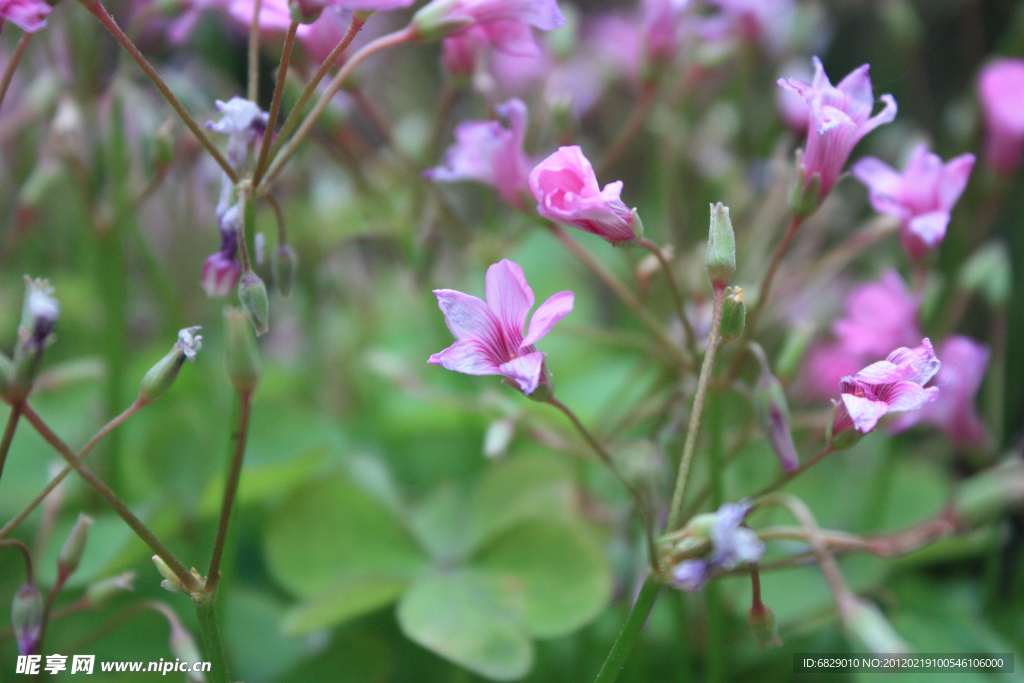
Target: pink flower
column 490, row 153
column 839, row 117
column 892, row 385
column 490, row 336
column 460, row 52
column 1001, row 91
column 566, row 190
column 964, row 361
column 505, row 22
column 28, row 15
column 922, row 197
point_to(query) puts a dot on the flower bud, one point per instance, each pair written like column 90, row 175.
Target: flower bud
column 773, row 413
column 162, row 375
column 437, row 19
column 283, row 263
column 734, row 314
column 866, row 624
column 762, row 622
column 71, row 552
column 253, row 295
column 243, row 358
column 101, row 591
column 720, row 260
column 38, row 316
column 27, row 618
column 305, row 11
column 990, row 494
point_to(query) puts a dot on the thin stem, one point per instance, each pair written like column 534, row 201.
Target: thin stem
column 246, row 223
column 787, row 477
column 53, row 483
column 358, row 19
column 398, row 37
column 677, row 297
column 213, row 647
column 620, row 291
column 445, row 103
column 275, row 103
column 630, row 130
column 253, row 90
column 630, row 632
column 14, row 543
column 19, row 50
column 641, row 504
column 101, row 13
column 230, row 488
column 12, row 424
column 755, row 588
column 698, row 405
column 120, row 508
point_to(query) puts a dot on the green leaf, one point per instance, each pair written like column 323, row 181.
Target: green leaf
column 251, row 620
column 351, row 598
column 261, row 483
column 558, row 570
column 330, row 530
column 467, row 618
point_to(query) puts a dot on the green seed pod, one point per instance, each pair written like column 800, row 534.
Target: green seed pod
column 162, row 375
column 71, row 552
column 720, row 260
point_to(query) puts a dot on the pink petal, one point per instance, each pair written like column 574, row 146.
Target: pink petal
column 884, row 184
column 904, row 396
column 469, row 319
column 469, row 357
column 864, row 412
column 883, row 372
column 860, row 96
column 887, row 115
column 930, row 227
column 921, row 361
column 525, row 371
column 954, row 180
column 547, row 314
column 510, row 298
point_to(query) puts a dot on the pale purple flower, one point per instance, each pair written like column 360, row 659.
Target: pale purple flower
column 922, row 197
column 731, row 546
column 566, row 190
column 839, row 117
column 506, row 23
column 490, row 153
column 222, row 269
column 1001, row 91
column 492, row 338
column 28, row 15
column 895, row 384
column 964, row 362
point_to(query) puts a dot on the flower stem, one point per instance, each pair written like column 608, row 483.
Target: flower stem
column 101, row 13
column 698, row 406
column 641, row 504
column 630, row 632
column 213, row 647
column 404, row 35
column 275, row 103
column 253, row 89
column 53, row 483
column 677, row 297
column 230, row 488
column 12, row 424
column 120, row 508
column 12, row 64
column 14, row 543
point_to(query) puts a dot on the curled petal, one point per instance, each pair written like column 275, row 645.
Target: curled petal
column 864, row 412
column 921, row 360
column 929, row 227
column 904, row 396
column 469, row 357
column 525, row 371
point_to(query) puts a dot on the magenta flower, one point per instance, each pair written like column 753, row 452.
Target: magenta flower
column 28, row 15
column 922, row 197
column 964, row 361
column 490, row 336
column 895, row 384
column 507, row 23
column 839, row 117
column 1001, row 91
column 566, row 190
column 490, row 153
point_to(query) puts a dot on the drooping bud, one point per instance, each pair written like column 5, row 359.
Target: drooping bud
column 38, row 317
column 283, row 263
column 734, row 314
column 762, row 622
column 720, row 260
column 990, row 494
column 71, row 552
column 162, row 375
column 243, row 358
column 103, row 590
column 866, row 624
column 253, row 295
column 27, row 618
column 773, row 413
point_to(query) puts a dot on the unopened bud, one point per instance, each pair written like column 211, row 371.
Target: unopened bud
column 171, row 582
column 773, row 413
column 162, row 375
column 866, row 624
column 734, row 314
column 243, row 358
column 720, row 260
column 103, row 590
column 762, row 622
column 38, row 316
column 71, row 552
column 989, row 271
column 990, row 494
column 283, row 263
column 27, row 618
column 638, row 228
column 305, row 11
column 253, row 295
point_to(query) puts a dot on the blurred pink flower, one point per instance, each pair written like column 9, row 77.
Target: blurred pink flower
column 460, row 52
column 839, row 117
column 506, row 23
column 490, row 153
column 766, row 21
column 922, row 197
column 1001, row 91
column 661, row 29
column 566, row 190
column 792, row 107
column 28, row 15
column 220, row 274
column 964, row 361
column 317, row 38
column 895, row 384
column 490, row 336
